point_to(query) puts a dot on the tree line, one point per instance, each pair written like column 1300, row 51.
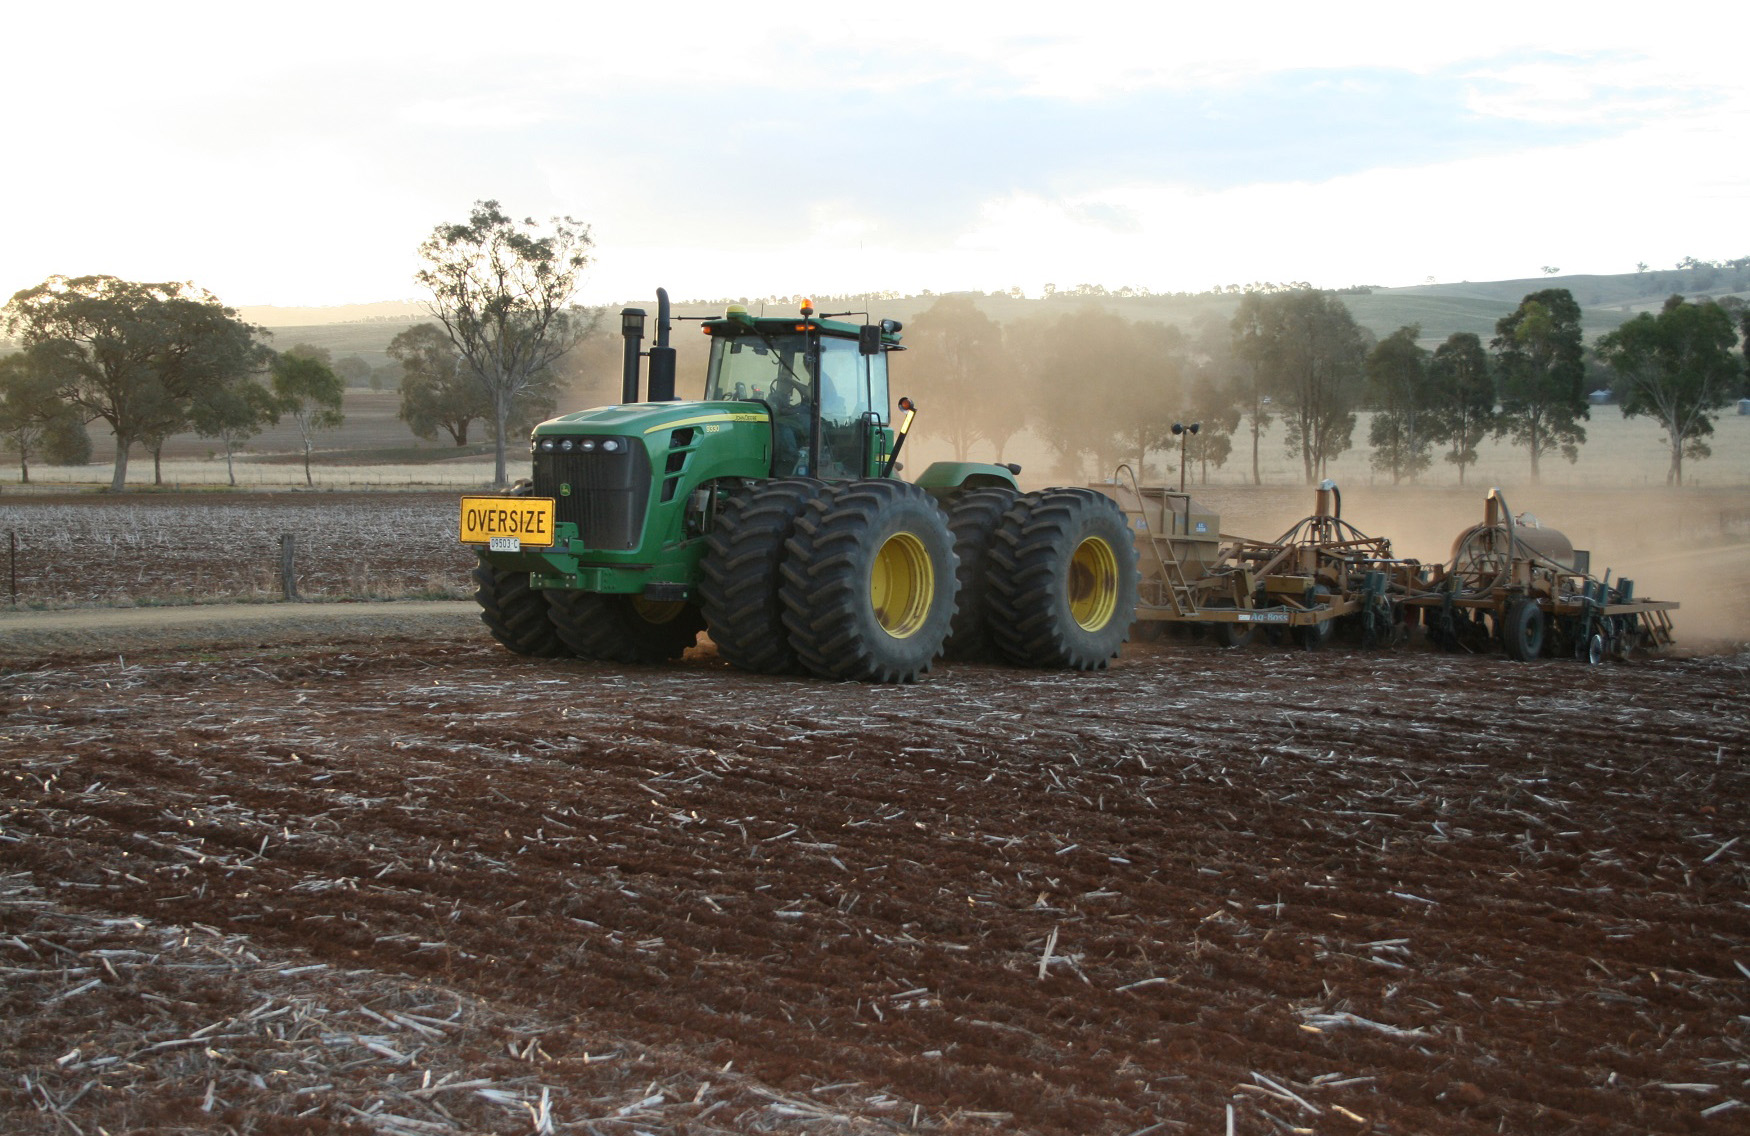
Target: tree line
column 1099, row 388
column 153, row 360
column 150, row 360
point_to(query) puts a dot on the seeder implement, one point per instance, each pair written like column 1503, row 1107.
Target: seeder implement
column 1510, row 582
column 1515, row 582
column 1322, row 570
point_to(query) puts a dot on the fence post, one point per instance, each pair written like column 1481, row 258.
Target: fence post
column 288, row 575
column 12, row 539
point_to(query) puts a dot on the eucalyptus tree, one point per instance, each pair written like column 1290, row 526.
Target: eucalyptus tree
column 134, row 355
column 34, row 419
column 438, row 392
column 1313, row 353
column 1398, row 387
column 1540, row 366
column 306, row 387
column 1250, row 354
column 503, row 290
column 234, row 412
column 1677, row 368
column 1462, row 396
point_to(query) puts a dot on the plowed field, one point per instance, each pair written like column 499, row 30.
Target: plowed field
column 420, row 886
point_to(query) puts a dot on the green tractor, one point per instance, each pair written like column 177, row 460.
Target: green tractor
column 767, row 514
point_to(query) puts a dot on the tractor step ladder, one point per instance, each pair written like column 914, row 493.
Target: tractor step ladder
column 1179, row 593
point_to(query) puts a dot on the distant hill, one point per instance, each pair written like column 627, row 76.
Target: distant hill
column 268, row 315
column 1441, row 309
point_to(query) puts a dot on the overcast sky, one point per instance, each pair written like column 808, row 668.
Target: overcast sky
column 298, row 154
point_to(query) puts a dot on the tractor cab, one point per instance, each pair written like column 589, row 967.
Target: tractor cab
column 825, row 383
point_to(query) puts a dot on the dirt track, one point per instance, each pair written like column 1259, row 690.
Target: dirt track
column 1337, row 892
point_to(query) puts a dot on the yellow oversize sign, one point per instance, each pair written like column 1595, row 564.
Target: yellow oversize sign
column 527, row 520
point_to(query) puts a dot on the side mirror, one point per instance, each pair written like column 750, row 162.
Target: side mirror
column 869, row 339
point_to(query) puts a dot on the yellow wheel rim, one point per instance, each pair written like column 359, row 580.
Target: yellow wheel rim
column 657, row 611
column 1093, row 584
column 902, row 585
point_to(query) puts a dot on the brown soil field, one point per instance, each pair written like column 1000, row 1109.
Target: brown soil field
column 402, row 882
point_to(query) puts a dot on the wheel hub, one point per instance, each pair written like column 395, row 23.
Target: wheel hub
column 902, row 585
column 1093, row 584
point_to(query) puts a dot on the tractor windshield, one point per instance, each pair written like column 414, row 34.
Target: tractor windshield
column 779, row 370
column 753, row 367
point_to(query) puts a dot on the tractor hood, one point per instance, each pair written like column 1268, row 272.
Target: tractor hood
column 641, row 419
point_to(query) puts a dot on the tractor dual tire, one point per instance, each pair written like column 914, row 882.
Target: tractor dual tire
column 515, row 614
column 869, row 582
column 973, row 517
column 739, row 577
column 1522, row 630
column 1063, row 580
column 623, row 628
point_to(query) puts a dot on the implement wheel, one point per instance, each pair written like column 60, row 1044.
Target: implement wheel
column 515, row 613
column 1313, row 636
column 1062, row 577
column 1522, row 630
column 973, row 516
column 869, row 581
column 739, row 578
column 1230, row 635
column 623, row 629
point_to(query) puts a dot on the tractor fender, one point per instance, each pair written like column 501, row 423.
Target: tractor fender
column 945, row 477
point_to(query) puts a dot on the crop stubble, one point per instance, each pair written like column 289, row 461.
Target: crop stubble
column 1337, row 892
column 204, row 547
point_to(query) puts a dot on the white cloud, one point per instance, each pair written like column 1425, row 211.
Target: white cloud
column 298, row 156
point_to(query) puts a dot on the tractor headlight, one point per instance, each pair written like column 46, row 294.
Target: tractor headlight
column 565, row 445
column 612, row 445
column 546, row 445
column 586, row 445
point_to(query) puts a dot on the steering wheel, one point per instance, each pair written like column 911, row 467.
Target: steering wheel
column 789, row 393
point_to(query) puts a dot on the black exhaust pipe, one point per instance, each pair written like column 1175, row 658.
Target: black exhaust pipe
column 632, row 327
column 662, row 356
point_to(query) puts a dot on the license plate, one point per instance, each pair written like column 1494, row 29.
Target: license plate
column 507, row 524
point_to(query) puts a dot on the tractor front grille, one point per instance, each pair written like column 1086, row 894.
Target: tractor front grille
column 604, row 493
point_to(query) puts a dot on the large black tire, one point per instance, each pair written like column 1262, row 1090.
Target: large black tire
column 622, row 629
column 1062, row 579
column 739, row 579
column 515, row 613
column 869, row 581
column 973, row 516
column 1522, row 630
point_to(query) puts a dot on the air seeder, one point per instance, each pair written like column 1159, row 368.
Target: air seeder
column 1511, row 582
column 1514, row 581
column 767, row 512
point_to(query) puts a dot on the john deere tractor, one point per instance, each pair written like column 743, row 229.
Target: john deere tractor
column 767, row 513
